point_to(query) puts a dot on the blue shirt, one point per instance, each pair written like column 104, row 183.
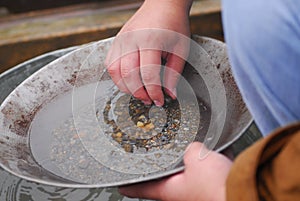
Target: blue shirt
column 263, row 39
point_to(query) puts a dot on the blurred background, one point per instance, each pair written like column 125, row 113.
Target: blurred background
column 32, row 27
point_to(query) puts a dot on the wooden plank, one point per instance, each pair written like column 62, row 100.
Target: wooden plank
column 27, row 35
column 17, row 6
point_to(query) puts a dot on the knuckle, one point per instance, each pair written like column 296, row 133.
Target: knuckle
column 173, row 76
column 125, row 72
column 150, row 77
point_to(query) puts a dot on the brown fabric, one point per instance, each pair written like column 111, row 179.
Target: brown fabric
column 269, row 169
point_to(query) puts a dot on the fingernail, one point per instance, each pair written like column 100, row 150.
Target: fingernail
column 174, row 93
column 158, row 103
column 147, row 102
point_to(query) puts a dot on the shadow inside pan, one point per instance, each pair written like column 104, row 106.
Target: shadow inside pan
column 71, row 153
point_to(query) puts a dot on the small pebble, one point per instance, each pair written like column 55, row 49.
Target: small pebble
column 83, row 164
column 158, row 131
column 149, row 126
column 140, row 124
column 127, row 147
column 119, row 135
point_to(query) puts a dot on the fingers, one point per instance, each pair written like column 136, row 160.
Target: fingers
column 212, row 160
column 115, row 73
column 150, row 62
column 113, row 63
column 192, row 153
column 197, row 152
column 123, row 68
column 170, row 188
column 138, row 73
column 148, row 190
column 173, row 70
column 130, row 73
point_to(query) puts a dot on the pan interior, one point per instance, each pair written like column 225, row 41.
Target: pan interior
column 45, row 139
column 88, row 148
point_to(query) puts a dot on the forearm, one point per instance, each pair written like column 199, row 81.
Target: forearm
column 182, row 5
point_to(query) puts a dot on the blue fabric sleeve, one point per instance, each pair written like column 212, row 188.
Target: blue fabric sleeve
column 263, row 40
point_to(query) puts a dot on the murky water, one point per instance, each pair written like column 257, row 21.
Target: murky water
column 82, row 149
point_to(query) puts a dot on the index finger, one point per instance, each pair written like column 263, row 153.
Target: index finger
column 113, row 66
column 130, row 73
column 150, row 65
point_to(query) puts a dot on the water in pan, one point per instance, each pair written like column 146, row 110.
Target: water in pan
column 13, row 188
column 60, row 146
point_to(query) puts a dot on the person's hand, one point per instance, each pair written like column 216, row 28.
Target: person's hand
column 158, row 30
column 203, row 179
